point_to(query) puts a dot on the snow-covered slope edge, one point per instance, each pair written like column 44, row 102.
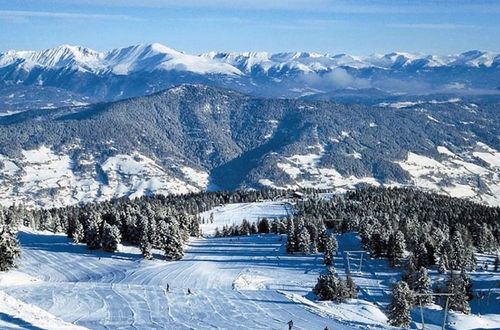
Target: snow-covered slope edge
column 15, row 314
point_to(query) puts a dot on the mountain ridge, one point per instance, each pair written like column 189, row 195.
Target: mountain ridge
column 74, row 73
column 194, row 136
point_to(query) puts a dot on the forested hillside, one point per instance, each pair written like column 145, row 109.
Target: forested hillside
column 194, row 137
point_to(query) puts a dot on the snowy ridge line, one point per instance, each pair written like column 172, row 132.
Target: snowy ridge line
column 149, row 57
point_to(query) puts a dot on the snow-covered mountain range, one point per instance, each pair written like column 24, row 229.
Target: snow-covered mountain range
column 144, row 69
column 149, row 57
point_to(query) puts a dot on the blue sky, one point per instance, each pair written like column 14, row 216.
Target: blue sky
column 195, row 26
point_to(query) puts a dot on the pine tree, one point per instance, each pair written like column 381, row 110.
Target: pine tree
column 253, row 228
column 421, row 257
column 173, row 245
column 330, row 287
column 110, row 237
column 145, row 244
column 290, row 230
column 78, row 232
column 459, row 301
column 9, row 247
column 245, row 227
column 423, row 286
column 352, row 289
column 397, row 248
column 92, row 237
column 303, row 241
column 400, row 305
column 442, row 264
column 330, row 249
column 322, row 237
column 496, row 263
column 264, row 226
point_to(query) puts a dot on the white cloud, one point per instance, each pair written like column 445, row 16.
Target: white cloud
column 432, row 26
column 63, row 15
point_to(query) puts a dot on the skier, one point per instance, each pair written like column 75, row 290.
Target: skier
column 168, row 288
column 327, row 328
column 290, row 325
column 189, row 291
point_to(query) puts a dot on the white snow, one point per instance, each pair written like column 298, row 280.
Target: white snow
column 246, row 282
column 15, row 314
column 446, row 151
column 306, row 171
column 236, row 283
column 235, row 213
column 48, row 179
column 455, row 176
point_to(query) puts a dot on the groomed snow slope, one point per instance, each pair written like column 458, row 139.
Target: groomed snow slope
column 237, row 283
column 241, row 283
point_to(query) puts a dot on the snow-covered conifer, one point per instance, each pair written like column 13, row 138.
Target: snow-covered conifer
column 78, row 232
column 330, row 249
column 352, row 289
column 422, row 286
column 290, row 230
column 397, row 248
column 92, row 236
column 400, row 305
column 173, row 246
column 456, row 285
column 110, row 237
column 9, row 247
column 264, row 226
column 303, row 241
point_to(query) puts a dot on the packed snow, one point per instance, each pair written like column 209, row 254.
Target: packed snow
column 234, row 214
column 246, row 282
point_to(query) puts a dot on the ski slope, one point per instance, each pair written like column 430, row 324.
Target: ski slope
column 236, row 282
column 98, row 290
column 235, row 213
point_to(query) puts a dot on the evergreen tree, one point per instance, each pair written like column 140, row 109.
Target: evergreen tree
column 397, row 248
column 253, row 228
column 9, row 247
column 423, row 286
column 110, row 238
column 264, row 226
column 78, row 232
column 456, row 285
column 303, row 241
column 322, row 237
column 145, row 244
column 290, row 230
column 245, row 227
column 92, row 237
column 330, row 287
column 330, row 249
column 421, row 257
column 173, row 245
column 352, row 289
column 496, row 263
column 400, row 305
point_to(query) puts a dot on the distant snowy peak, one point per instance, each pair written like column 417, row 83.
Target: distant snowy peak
column 150, row 57
column 146, row 57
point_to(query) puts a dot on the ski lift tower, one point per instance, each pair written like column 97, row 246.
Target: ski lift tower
column 348, row 254
column 447, row 295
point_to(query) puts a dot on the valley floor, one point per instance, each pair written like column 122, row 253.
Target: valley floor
column 237, row 283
